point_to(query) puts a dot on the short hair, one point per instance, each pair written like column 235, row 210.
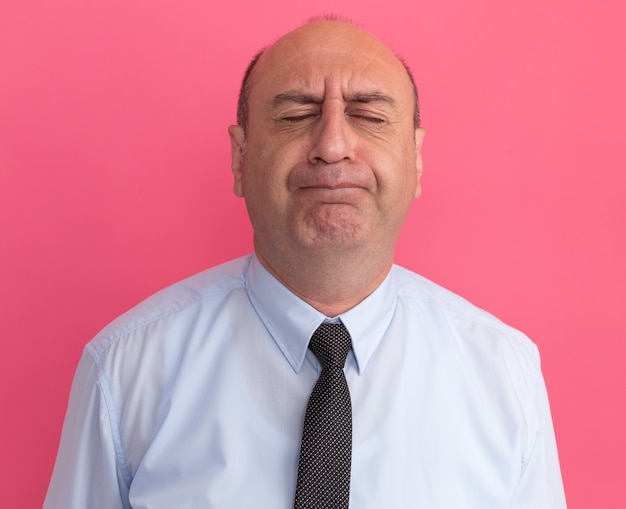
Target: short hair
column 243, row 110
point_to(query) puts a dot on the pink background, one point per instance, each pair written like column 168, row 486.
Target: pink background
column 115, row 181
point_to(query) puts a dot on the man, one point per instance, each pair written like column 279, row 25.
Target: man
column 197, row 397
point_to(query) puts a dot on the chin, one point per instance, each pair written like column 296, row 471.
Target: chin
column 335, row 224
column 336, row 239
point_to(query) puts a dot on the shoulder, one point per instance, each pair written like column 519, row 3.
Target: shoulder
column 471, row 328
column 498, row 363
column 199, row 293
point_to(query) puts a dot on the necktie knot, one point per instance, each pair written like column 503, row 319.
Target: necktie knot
column 331, row 343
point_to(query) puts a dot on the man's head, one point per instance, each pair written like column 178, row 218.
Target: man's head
column 244, row 91
column 327, row 153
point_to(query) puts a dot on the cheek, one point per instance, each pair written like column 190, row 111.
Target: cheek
column 272, row 162
column 397, row 172
column 263, row 182
column 400, row 187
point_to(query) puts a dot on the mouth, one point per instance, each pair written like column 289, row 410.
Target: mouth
column 332, row 179
column 333, row 186
column 332, row 195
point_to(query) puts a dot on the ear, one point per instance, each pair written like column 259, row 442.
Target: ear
column 237, row 149
column 419, row 166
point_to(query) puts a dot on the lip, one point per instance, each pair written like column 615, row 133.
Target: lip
column 334, row 186
column 335, row 195
column 331, row 178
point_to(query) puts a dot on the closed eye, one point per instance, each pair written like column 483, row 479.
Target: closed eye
column 299, row 118
column 368, row 118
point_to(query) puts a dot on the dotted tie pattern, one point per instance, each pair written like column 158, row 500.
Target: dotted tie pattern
column 326, row 451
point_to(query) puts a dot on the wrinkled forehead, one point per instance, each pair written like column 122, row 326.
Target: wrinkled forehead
column 324, row 55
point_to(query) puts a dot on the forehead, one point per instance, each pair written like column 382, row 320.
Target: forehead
column 330, row 57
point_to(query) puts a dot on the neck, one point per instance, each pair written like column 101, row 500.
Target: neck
column 331, row 284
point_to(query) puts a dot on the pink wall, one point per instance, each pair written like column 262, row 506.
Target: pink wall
column 114, row 181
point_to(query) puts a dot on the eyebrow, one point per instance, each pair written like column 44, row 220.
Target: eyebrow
column 304, row 98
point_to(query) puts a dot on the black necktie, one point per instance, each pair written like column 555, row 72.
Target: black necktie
column 326, row 451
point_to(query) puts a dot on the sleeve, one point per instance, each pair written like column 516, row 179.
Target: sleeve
column 540, row 485
column 86, row 473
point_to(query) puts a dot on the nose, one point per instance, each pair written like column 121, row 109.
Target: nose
column 333, row 140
